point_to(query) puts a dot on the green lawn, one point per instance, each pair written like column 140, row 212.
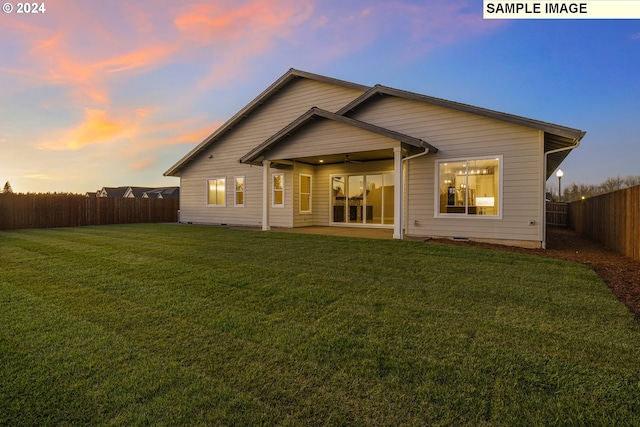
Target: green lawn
column 187, row 325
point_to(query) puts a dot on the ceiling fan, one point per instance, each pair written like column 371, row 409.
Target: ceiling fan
column 346, row 160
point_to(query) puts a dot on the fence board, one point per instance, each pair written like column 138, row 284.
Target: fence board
column 612, row 219
column 46, row 211
column 557, row 213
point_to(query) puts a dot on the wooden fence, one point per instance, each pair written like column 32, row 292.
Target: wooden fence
column 44, row 211
column 557, row 214
column 612, row 219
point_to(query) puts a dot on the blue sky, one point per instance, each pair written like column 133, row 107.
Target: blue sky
column 97, row 94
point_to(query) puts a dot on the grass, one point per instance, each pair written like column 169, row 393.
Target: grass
column 187, row 325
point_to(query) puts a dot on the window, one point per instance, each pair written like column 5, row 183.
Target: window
column 239, row 199
column 277, row 188
column 470, row 187
column 216, row 192
column 305, row 193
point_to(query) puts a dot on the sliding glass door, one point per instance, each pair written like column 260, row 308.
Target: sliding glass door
column 363, row 199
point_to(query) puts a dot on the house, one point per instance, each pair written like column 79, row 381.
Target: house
column 314, row 150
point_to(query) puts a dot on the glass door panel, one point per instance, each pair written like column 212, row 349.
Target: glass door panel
column 372, row 210
column 388, row 199
column 338, row 199
column 355, row 188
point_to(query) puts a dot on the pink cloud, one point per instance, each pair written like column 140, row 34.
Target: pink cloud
column 96, row 128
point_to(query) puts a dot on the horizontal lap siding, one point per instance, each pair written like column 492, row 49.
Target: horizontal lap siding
column 281, row 109
column 326, row 137
column 463, row 135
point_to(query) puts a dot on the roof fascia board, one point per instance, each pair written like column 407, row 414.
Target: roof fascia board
column 318, row 112
column 285, row 79
column 523, row 121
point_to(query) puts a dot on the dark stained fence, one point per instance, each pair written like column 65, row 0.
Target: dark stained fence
column 557, row 214
column 52, row 210
column 612, row 219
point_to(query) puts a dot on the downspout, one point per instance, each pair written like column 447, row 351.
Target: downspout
column 544, row 189
column 401, row 219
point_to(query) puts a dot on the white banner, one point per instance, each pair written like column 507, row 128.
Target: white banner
column 585, row 9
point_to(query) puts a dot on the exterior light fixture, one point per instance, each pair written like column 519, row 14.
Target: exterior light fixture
column 559, row 174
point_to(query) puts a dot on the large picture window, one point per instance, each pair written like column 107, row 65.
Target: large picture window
column 216, row 189
column 277, row 189
column 470, row 187
column 305, row 193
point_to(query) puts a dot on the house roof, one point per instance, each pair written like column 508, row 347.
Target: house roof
column 556, row 136
column 288, row 77
column 254, row 155
column 557, row 139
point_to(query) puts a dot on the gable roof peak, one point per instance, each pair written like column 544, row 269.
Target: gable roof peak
column 291, row 75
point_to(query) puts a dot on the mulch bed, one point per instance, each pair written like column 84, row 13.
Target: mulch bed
column 621, row 274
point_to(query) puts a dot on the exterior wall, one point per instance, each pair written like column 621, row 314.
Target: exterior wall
column 281, row 109
column 460, row 135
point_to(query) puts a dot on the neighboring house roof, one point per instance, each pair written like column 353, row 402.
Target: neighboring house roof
column 288, row 77
column 255, row 155
column 556, row 136
column 136, row 192
column 112, row 191
column 163, row 193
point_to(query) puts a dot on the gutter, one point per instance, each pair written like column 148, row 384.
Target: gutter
column 544, row 189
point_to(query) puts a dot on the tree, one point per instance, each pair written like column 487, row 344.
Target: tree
column 574, row 191
column 7, row 188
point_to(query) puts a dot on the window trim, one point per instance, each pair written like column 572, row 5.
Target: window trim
column 466, row 215
column 236, row 192
column 300, row 193
column 273, row 190
column 217, row 205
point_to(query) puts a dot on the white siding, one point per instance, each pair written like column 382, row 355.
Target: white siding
column 281, row 109
column 460, row 135
column 324, row 137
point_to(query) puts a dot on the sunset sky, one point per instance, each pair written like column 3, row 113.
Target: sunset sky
column 113, row 93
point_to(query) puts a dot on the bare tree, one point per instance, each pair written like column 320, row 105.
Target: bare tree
column 574, row 191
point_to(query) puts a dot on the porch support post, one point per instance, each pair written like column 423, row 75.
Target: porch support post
column 397, row 193
column 266, row 172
